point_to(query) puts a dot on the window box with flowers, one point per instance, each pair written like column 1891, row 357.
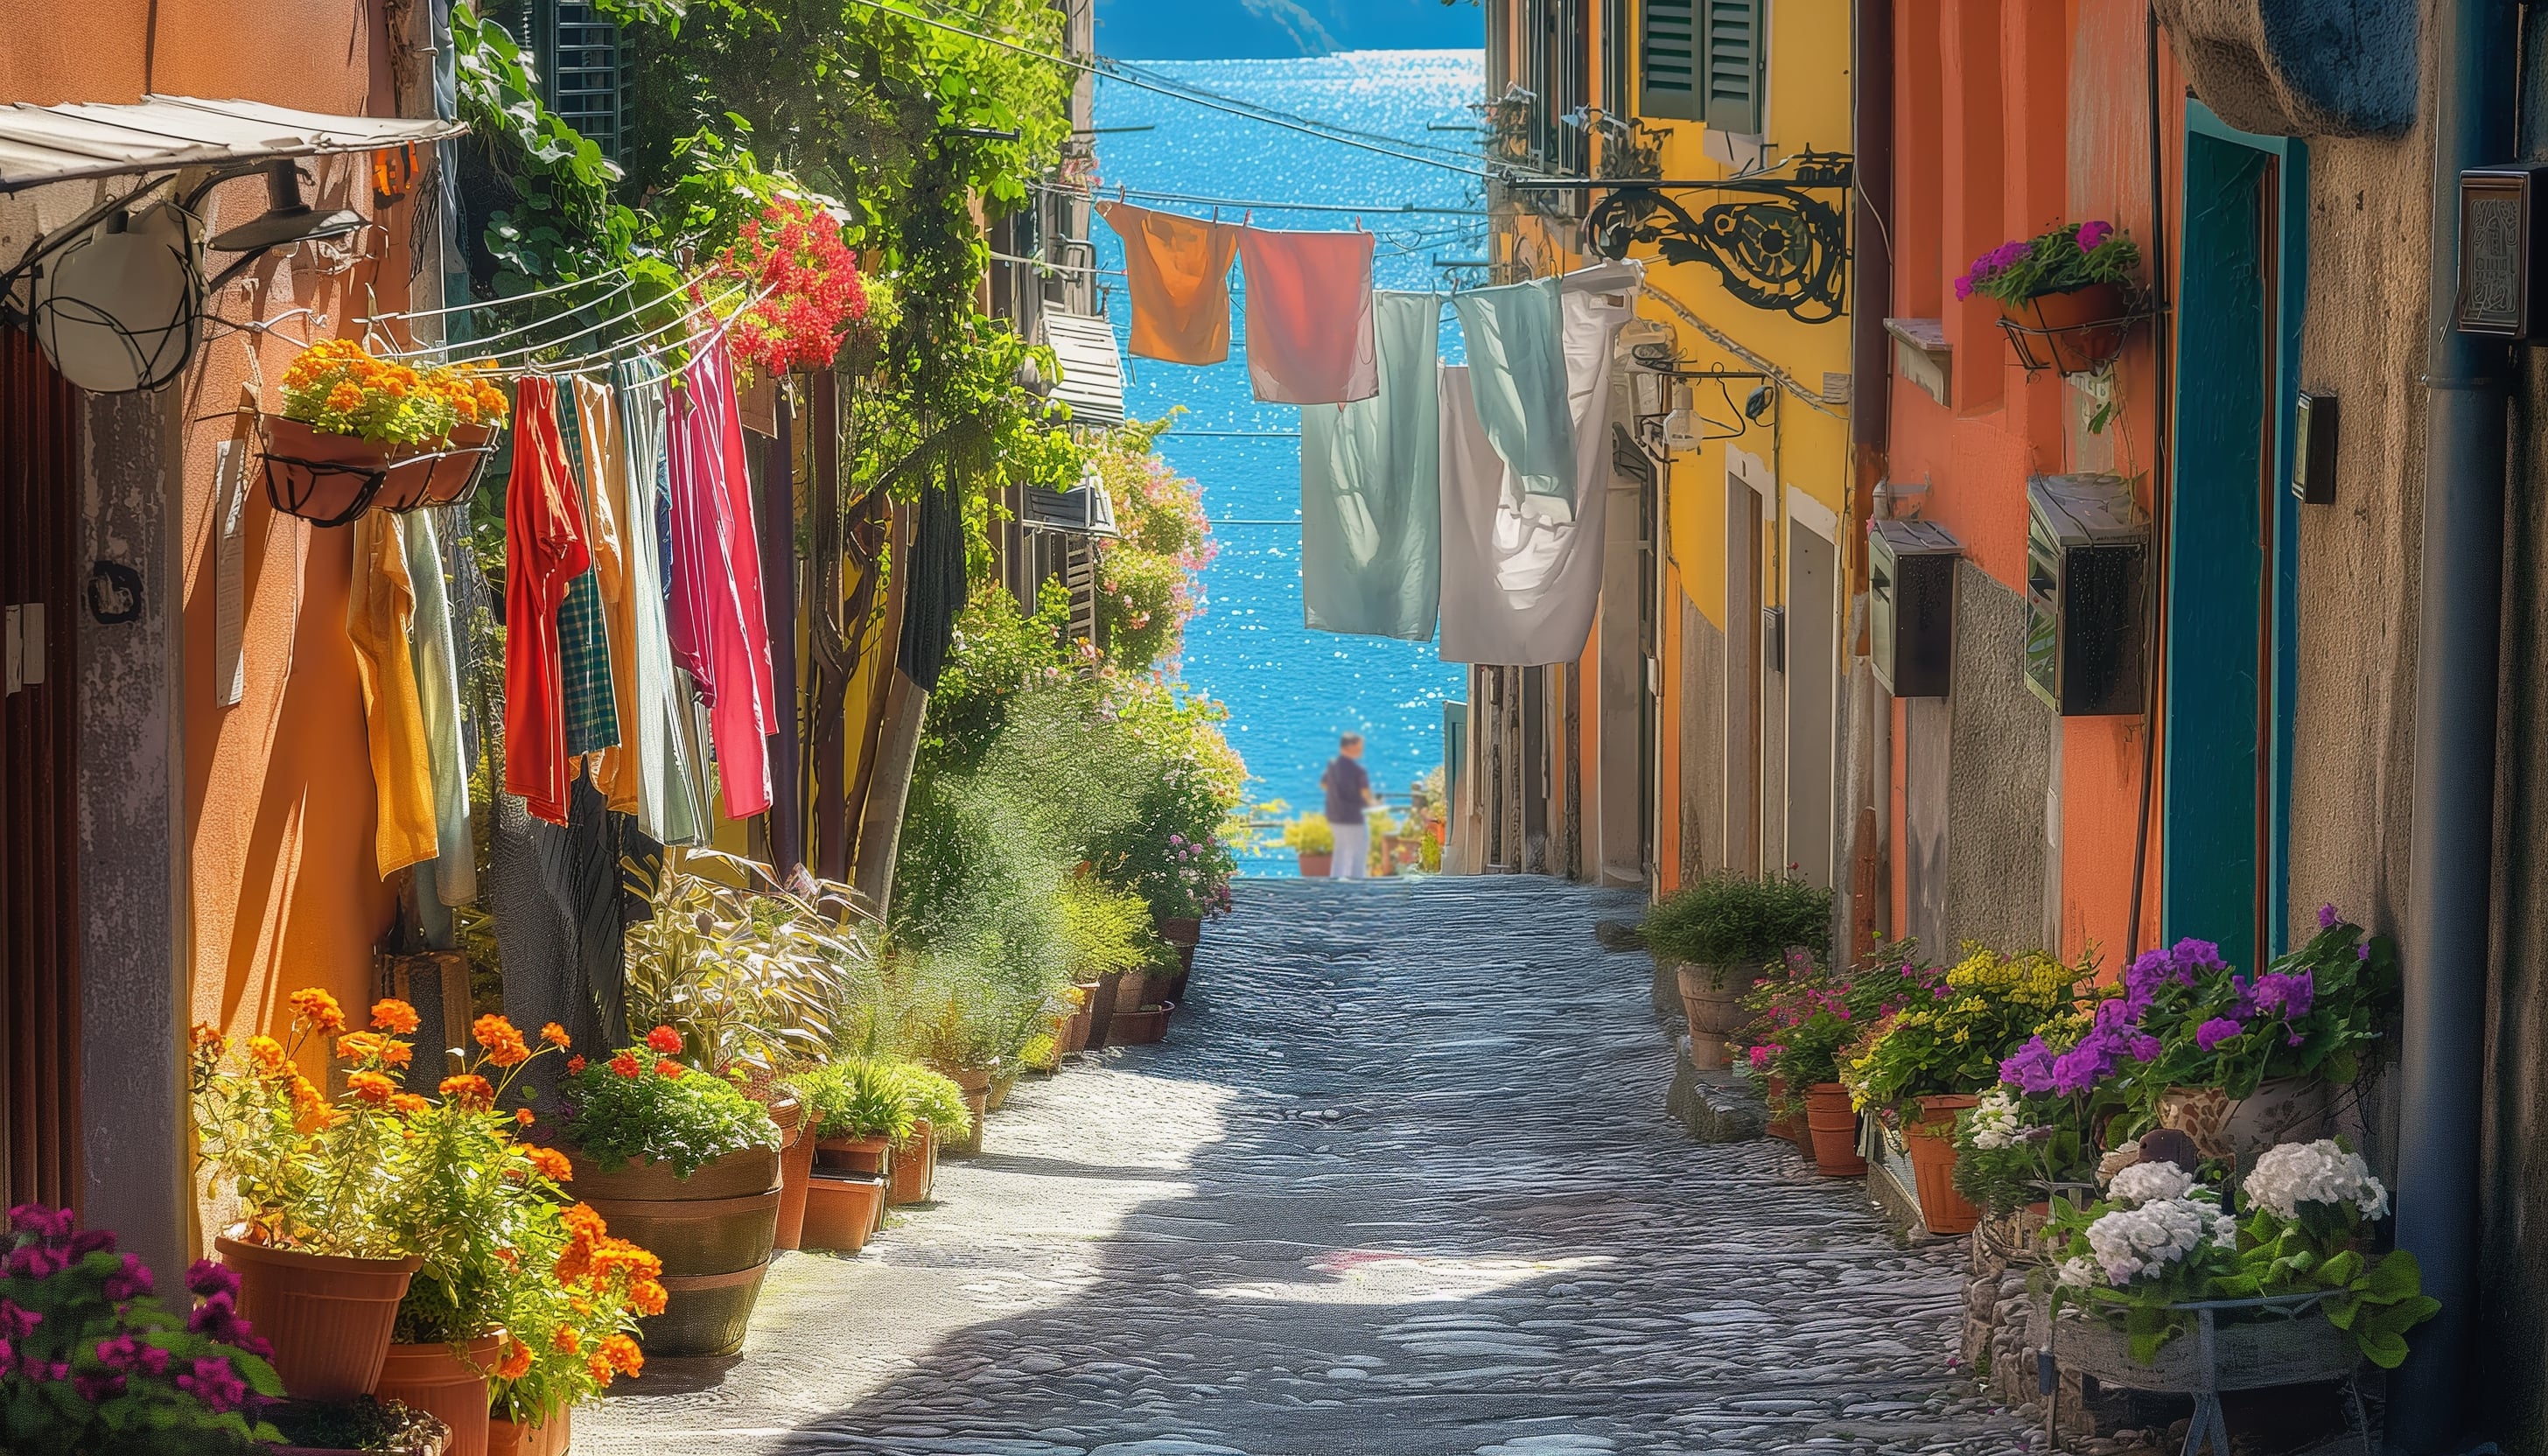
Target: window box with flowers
column 686, row 1165
column 357, row 431
column 2070, row 295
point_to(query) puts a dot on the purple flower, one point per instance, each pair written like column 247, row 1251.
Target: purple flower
column 207, row 1277
column 2326, row 917
column 90, row 1241
column 39, row 1221
column 2215, row 1032
column 97, row 1390
column 2285, row 994
column 1964, row 288
column 2093, row 234
column 130, row 1282
column 2143, row 1046
column 2362, row 951
column 213, row 1382
column 18, row 1322
column 33, row 1261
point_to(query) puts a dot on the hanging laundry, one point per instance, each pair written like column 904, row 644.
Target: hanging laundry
column 1177, row 271
column 544, row 550
column 437, row 681
column 651, row 753
column 605, row 472
column 1517, row 375
column 717, row 629
column 935, row 590
column 583, row 642
column 1310, row 337
column 378, row 609
column 1519, row 585
column 1371, row 494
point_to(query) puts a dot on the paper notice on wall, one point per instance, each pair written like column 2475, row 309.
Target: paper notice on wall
column 230, row 571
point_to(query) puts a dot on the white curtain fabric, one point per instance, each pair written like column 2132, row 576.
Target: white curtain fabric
column 1371, row 531
column 1519, row 585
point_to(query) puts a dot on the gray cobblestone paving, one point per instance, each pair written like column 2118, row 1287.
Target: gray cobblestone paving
column 1398, row 1182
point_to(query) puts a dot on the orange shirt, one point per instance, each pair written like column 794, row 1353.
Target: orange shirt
column 1177, row 271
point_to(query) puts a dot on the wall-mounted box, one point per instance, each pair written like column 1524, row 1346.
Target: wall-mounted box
column 2503, row 251
column 1911, row 605
column 2313, row 450
column 2087, row 552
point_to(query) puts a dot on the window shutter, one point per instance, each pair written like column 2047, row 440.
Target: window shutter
column 1667, row 60
column 583, row 70
column 1732, row 77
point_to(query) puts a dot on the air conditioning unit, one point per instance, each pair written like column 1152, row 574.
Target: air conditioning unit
column 2087, row 553
column 1911, row 605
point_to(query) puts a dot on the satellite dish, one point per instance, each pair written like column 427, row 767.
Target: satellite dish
column 118, row 309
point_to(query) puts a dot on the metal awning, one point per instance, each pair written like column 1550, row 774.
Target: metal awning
column 1092, row 372
column 83, row 139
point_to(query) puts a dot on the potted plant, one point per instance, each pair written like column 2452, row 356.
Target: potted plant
column 477, row 1203
column 1931, row 1059
column 938, row 1111
column 654, row 1143
column 1801, row 1025
column 1314, row 841
column 92, row 1361
column 362, row 1426
column 322, row 1186
column 1716, row 937
column 2060, row 282
column 356, row 430
column 571, row 1320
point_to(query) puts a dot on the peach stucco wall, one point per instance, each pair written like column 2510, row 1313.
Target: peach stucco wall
column 279, row 818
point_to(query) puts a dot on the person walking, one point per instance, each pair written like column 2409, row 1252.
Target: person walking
column 1348, row 792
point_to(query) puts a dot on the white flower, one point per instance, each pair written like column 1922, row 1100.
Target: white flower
column 1995, row 1122
column 2131, row 1243
column 2149, row 1183
column 2078, row 1273
column 2116, row 1162
column 2321, row 1172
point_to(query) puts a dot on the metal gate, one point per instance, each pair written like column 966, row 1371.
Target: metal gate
column 38, row 847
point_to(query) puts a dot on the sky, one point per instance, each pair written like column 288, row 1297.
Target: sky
column 1214, row 30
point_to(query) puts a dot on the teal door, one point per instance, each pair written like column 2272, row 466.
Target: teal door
column 2230, row 531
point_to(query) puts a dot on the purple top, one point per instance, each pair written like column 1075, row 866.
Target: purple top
column 1345, row 783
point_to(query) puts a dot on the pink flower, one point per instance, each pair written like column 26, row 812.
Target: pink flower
column 2093, row 234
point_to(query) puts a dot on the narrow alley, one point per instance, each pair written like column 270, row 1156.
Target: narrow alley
column 1398, row 1182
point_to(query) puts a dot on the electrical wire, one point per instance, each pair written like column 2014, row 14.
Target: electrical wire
column 495, row 303
column 1242, row 204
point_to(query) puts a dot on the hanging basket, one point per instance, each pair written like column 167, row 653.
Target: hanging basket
column 452, row 473
column 2076, row 333
column 330, row 480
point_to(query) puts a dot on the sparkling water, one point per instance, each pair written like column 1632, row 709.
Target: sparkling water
column 1291, row 690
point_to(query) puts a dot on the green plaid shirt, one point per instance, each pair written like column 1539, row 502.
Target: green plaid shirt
column 584, row 651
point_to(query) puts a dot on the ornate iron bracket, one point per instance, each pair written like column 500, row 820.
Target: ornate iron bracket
column 1780, row 243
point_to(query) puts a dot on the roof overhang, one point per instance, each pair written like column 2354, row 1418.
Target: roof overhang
column 79, row 140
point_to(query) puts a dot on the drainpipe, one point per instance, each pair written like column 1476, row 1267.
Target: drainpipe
column 2449, row 894
column 1870, row 412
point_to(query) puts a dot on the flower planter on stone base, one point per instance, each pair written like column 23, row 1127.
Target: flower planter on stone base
column 2283, row 1110
column 1711, row 998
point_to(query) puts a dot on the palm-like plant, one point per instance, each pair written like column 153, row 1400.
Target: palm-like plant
column 753, row 976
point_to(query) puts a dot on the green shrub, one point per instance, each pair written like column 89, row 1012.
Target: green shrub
column 636, row 1105
column 1731, row 919
column 1311, row 834
column 857, row 1097
column 934, row 1098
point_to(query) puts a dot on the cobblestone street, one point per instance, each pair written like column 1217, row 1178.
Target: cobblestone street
column 1400, row 1181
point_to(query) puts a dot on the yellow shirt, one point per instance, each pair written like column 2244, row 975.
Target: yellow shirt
column 606, row 467
column 380, row 610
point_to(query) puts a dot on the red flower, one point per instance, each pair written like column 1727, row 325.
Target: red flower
column 625, row 1063
column 574, row 1065
column 664, row 1040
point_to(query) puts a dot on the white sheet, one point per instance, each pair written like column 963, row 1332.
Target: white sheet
column 1519, row 588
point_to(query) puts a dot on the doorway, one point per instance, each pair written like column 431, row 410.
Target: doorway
column 2232, row 533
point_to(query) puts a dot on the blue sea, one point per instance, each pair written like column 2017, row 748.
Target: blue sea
column 1289, row 690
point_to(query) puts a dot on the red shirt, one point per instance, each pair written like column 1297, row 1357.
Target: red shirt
column 544, row 550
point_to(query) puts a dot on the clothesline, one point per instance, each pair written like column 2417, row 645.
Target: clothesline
column 1260, row 205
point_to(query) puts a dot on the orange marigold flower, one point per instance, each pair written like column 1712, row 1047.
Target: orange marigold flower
column 566, row 1341
column 392, row 1014
column 407, row 1104
column 359, row 1046
column 306, row 1094
column 648, row 1297
column 574, row 1067
column 583, row 1221
column 599, row 1369
column 523, row 1115
column 551, row 1163
column 206, row 1035
column 555, row 1035
column 371, row 1087
column 669, row 1069
column 344, row 399
column 664, row 1040
column 319, row 1009
column 625, row 1063
column 267, row 1056
column 623, row 1354
column 516, row 1362
column 470, row 1091
column 397, row 1053
column 513, row 1258
column 504, row 1043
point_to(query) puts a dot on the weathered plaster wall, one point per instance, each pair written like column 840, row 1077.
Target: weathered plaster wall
column 2001, row 766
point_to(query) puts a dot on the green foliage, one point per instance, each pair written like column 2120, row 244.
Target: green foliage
column 998, row 655
column 855, row 1097
column 631, row 1107
column 752, row 980
column 561, row 222
column 1147, row 574
column 934, row 1098
column 1732, row 919
column 1311, row 834
column 1107, row 929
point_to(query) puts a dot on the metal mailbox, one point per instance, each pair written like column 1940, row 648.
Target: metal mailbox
column 1911, row 605
column 2087, row 550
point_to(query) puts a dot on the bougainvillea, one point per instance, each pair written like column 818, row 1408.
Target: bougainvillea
column 806, row 282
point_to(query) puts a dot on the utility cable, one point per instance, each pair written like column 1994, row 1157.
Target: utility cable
column 495, row 303
column 1392, row 209
column 448, row 346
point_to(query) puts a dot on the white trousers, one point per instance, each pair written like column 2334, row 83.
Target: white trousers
column 1353, row 852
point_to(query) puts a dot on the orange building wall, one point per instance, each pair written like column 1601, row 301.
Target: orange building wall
column 2013, row 117
column 279, row 796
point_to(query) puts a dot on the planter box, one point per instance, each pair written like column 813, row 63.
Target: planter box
column 2256, row 1355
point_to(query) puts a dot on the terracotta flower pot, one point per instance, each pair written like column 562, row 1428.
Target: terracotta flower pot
column 1100, row 1008
column 1003, row 1082
column 327, row 1318
column 1140, row 1028
column 869, row 1154
column 1930, row 1137
column 713, row 1229
column 975, row 1083
column 2088, row 347
column 1711, row 999
column 448, row 1384
column 795, row 1165
column 1783, row 1125
column 542, row 1438
column 842, row 1209
column 1180, row 930
column 1317, row 866
column 915, row 1167
column 1835, row 1131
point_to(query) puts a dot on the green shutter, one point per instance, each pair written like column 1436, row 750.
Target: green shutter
column 1735, row 66
column 1667, row 60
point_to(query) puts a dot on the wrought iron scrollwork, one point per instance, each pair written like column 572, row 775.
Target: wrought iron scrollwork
column 1780, row 243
